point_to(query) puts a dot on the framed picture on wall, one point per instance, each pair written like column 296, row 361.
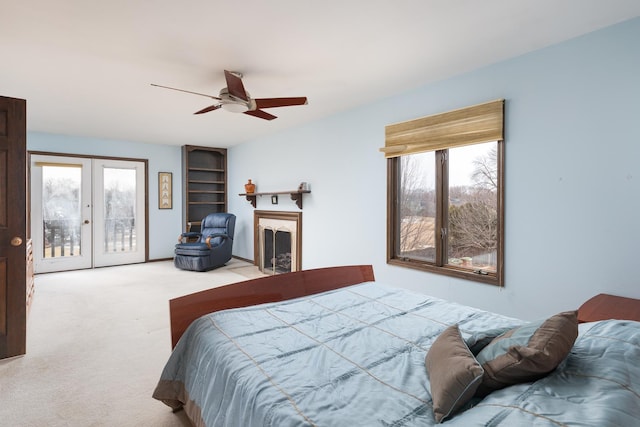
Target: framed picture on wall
column 165, row 196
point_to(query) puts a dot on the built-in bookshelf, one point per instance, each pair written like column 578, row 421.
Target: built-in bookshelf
column 205, row 183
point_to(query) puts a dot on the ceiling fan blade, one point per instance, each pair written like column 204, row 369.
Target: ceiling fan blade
column 235, row 86
column 187, row 91
column 206, row 110
column 261, row 114
column 280, row 102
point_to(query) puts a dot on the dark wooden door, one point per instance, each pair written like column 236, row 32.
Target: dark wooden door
column 13, row 227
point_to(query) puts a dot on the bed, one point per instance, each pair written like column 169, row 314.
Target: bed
column 333, row 347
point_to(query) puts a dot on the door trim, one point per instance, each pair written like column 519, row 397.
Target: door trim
column 129, row 159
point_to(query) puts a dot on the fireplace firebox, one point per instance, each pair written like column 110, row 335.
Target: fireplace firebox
column 278, row 241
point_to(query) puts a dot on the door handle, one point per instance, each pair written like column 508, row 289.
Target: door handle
column 86, row 221
column 16, row 241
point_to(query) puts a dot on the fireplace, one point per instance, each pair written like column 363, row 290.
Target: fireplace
column 277, row 241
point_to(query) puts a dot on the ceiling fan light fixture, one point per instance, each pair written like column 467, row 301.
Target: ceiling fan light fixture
column 235, row 106
column 232, row 103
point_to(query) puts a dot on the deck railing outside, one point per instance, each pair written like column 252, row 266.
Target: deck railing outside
column 62, row 236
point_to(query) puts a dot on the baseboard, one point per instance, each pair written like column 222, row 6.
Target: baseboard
column 250, row 261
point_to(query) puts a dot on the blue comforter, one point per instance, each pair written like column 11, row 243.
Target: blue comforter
column 355, row 357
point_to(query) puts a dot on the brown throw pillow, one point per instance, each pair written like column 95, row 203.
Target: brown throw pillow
column 528, row 352
column 454, row 374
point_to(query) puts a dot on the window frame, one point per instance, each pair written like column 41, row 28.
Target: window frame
column 442, row 186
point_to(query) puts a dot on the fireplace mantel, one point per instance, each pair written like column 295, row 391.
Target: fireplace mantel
column 296, row 196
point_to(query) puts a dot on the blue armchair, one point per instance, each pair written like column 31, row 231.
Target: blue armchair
column 208, row 249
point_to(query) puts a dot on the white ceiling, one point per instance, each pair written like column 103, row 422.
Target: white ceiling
column 86, row 67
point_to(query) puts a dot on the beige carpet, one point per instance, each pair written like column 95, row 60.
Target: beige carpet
column 97, row 341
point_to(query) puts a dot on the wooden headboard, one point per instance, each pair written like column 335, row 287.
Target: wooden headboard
column 186, row 309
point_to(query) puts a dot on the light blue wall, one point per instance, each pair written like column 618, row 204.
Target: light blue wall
column 164, row 224
column 571, row 207
column 572, row 176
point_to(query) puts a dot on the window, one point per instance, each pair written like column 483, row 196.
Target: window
column 445, row 193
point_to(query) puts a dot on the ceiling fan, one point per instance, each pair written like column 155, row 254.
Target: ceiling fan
column 236, row 99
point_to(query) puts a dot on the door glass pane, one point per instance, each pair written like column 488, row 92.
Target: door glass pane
column 417, row 207
column 473, row 207
column 61, row 210
column 119, row 210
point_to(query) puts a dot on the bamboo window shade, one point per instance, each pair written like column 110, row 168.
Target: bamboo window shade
column 465, row 126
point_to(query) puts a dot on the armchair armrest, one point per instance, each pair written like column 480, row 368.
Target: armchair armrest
column 211, row 236
column 188, row 234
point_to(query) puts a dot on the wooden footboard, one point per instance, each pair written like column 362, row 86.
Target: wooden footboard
column 186, row 309
column 605, row 306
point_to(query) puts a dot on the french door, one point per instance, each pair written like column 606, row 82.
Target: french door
column 86, row 212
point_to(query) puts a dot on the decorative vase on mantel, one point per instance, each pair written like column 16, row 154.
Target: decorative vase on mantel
column 250, row 187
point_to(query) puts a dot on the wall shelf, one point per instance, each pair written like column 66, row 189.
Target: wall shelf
column 296, row 196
